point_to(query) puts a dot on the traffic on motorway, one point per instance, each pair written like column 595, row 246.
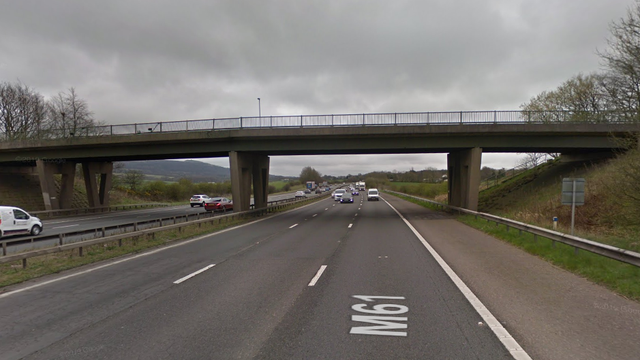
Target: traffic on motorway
column 79, row 228
column 328, row 280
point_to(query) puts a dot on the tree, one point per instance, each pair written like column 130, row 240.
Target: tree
column 68, row 115
column 581, row 98
column 310, row 174
column 133, row 179
column 22, row 112
column 622, row 61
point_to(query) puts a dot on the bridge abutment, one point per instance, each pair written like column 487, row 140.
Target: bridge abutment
column 464, row 177
column 247, row 167
column 97, row 181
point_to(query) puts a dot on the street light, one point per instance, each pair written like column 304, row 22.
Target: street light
column 259, row 110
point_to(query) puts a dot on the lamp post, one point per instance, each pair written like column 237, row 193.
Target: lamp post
column 259, row 110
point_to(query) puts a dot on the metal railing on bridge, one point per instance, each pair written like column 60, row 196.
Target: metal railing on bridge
column 343, row 120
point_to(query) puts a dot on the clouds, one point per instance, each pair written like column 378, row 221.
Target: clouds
column 138, row 61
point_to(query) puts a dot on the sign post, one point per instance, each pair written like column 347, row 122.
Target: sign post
column 573, row 194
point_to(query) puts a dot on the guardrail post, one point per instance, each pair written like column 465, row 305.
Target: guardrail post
column 104, row 232
column 24, row 263
column 535, row 237
column 4, row 249
column 135, row 226
column 174, row 220
column 80, row 251
column 575, row 251
column 60, row 239
column 119, row 242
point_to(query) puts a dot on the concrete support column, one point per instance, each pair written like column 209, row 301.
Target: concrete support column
column 97, row 180
column 464, row 177
column 246, row 167
column 260, row 180
column 52, row 199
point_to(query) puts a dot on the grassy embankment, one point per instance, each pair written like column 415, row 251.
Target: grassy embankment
column 534, row 197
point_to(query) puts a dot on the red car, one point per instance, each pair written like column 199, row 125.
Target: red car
column 218, row 204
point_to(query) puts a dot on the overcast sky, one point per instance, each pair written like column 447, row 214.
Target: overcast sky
column 142, row 61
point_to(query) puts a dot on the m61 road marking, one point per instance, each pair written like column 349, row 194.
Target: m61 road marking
column 383, row 324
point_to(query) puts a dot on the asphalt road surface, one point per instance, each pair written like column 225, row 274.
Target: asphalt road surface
column 326, row 281
column 68, row 225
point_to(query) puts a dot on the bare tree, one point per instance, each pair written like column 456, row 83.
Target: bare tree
column 68, row 115
column 532, row 160
column 21, row 112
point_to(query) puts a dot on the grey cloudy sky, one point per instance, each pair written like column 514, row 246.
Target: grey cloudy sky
column 162, row 60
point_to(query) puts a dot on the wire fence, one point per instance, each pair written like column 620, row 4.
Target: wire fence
column 340, row 120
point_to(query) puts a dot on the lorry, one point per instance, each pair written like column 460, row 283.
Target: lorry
column 360, row 185
column 311, row 185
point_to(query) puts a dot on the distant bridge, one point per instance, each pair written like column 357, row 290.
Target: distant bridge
column 249, row 141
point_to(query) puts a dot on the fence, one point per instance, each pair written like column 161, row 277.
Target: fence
column 336, row 120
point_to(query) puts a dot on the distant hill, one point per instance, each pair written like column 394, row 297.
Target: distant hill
column 173, row 170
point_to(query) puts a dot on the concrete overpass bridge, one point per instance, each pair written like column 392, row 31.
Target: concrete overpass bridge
column 249, row 141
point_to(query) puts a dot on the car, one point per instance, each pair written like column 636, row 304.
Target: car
column 346, row 198
column 327, row 189
column 307, row 191
column 300, row 194
column 355, row 193
column 373, row 194
column 15, row 221
column 199, row 200
column 338, row 194
column 218, row 204
column 318, row 191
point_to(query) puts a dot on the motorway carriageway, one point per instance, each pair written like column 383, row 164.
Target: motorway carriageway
column 328, row 280
column 65, row 225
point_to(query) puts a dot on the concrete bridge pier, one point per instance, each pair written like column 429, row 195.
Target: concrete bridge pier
column 245, row 168
column 97, row 180
column 46, row 170
column 464, row 177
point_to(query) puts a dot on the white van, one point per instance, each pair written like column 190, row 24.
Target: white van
column 373, row 195
column 15, row 221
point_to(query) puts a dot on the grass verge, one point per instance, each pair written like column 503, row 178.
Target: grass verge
column 615, row 275
column 13, row 273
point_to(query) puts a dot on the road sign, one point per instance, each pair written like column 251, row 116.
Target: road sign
column 568, row 190
column 573, row 194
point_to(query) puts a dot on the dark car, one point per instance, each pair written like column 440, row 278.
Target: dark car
column 355, row 193
column 218, row 204
column 318, row 191
column 307, row 191
column 346, row 198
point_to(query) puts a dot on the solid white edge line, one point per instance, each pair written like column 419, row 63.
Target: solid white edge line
column 181, row 243
column 292, row 226
column 318, row 274
column 194, row 274
column 499, row 331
